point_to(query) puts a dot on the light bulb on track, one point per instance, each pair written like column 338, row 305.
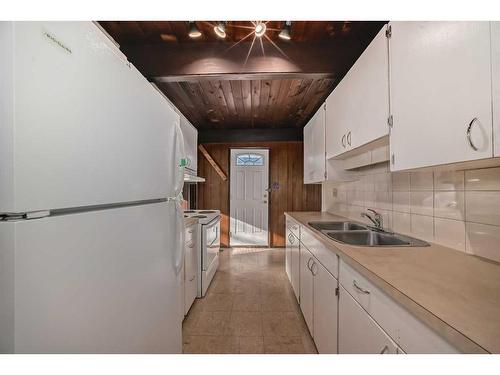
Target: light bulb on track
column 285, row 32
column 194, row 32
column 220, row 29
column 260, row 29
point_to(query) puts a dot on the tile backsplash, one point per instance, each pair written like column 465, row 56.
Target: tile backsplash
column 457, row 209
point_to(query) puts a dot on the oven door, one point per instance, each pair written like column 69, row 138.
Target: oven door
column 211, row 243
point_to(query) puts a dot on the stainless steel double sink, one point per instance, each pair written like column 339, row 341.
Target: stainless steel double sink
column 357, row 234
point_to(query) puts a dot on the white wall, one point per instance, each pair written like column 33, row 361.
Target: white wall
column 458, row 209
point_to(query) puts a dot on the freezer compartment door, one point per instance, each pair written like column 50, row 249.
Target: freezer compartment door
column 81, row 126
column 98, row 282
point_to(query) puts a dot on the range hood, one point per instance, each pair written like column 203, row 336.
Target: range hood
column 190, row 178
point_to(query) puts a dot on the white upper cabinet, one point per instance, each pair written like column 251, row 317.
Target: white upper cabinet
column 358, row 108
column 495, row 67
column 336, row 121
column 440, row 93
column 190, row 134
column 314, row 148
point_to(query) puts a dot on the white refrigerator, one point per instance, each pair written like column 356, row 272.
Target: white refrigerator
column 91, row 228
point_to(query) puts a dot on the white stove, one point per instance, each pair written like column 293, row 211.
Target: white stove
column 209, row 246
column 203, row 216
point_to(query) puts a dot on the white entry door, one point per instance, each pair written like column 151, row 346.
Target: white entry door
column 249, row 198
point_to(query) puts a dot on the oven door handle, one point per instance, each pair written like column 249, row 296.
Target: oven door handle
column 215, row 240
column 213, row 223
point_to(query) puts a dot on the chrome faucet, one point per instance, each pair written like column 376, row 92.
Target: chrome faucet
column 376, row 219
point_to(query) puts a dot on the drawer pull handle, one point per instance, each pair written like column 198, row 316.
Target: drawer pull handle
column 364, row 291
column 290, row 238
column 308, row 266
column 384, row 349
column 469, row 138
column 313, row 269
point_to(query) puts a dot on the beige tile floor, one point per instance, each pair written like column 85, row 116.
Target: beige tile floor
column 249, row 308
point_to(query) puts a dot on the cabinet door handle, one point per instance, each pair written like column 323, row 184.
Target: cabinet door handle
column 384, row 349
column 343, row 141
column 349, row 138
column 290, row 238
column 313, row 269
column 364, row 291
column 469, row 137
column 191, row 279
column 309, row 261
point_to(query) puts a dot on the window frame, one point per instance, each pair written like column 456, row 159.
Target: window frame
column 258, row 162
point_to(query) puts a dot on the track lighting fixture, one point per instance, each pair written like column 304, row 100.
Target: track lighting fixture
column 286, row 30
column 260, row 29
column 194, row 32
column 220, row 29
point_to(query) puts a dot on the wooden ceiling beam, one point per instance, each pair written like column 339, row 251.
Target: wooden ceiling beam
column 221, row 61
column 241, row 77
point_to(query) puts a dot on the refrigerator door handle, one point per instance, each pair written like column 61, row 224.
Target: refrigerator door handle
column 180, row 158
column 179, row 234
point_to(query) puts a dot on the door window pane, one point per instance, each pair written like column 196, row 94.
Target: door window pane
column 249, row 159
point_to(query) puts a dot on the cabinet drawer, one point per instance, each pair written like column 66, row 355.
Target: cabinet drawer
column 372, row 299
column 412, row 335
column 326, row 257
column 358, row 332
column 293, row 227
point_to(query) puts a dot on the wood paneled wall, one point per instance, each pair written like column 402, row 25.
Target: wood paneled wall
column 285, row 168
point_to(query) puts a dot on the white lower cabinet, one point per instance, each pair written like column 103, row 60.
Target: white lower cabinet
column 295, row 267
column 190, row 268
column 292, row 255
column 409, row 332
column 358, row 332
column 306, row 288
column 290, row 239
column 325, row 309
column 350, row 314
column 319, row 301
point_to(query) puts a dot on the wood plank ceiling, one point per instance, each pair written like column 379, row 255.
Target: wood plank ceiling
column 248, row 103
column 235, row 83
